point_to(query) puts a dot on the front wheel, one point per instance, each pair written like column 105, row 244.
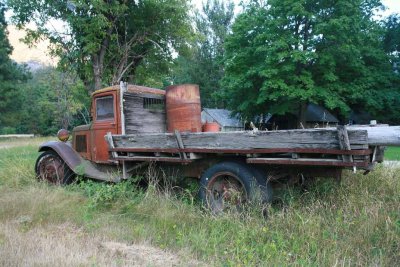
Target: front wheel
column 51, row 167
column 228, row 185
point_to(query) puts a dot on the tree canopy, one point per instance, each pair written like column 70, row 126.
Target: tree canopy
column 203, row 63
column 284, row 54
column 106, row 41
column 11, row 76
column 392, row 40
column 276, row 56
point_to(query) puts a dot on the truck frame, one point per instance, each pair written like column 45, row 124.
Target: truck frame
column 128, row 132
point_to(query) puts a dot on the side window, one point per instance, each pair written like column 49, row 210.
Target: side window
column 105, row 108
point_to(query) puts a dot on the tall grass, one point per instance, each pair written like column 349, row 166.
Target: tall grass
column 355, row 223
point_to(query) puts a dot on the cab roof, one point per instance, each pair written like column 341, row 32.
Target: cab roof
column 131, row 88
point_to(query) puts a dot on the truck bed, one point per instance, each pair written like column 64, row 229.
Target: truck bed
column 344, row 147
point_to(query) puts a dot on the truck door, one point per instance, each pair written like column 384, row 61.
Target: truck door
column 105, row 119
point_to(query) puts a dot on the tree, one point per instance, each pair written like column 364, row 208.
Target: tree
column 106, row 41
column 284, row 54
column 392, row 40
column 203, row 64
column 11, row 77
column 53, row 100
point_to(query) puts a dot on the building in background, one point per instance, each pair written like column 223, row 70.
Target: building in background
column 317, row 116
column 224, row 118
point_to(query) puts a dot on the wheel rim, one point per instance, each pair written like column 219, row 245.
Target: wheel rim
column 225, row 191
column 51, row 169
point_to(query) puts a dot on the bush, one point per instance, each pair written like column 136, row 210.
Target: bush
column 8, row 130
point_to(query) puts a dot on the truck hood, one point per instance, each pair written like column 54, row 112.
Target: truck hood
column 81, row 128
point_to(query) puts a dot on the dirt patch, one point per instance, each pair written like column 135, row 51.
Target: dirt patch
column 66, row 245
column 144, row 255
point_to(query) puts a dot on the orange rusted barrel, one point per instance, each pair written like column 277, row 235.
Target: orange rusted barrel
column 183, row 108
column 211, row 127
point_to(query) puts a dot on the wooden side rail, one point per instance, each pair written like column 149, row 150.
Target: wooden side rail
column 359, row 152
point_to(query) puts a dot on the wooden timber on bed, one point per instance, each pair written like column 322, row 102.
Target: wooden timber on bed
column 289, row 139
column 315, row 147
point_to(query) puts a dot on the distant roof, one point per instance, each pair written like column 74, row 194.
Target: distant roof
column 319, row 114
column 222, row 116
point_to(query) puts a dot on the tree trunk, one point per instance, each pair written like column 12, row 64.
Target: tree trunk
column 98, row 61
column 97, row 73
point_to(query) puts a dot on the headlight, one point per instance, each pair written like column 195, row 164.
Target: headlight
column 63, row 135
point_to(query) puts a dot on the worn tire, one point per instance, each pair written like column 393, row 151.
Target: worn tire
column 217, row 182
column 51, row 167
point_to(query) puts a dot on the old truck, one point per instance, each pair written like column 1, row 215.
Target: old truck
column 134, row 126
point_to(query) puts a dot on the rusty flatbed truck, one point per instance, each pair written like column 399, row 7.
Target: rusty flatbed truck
column 133, row 126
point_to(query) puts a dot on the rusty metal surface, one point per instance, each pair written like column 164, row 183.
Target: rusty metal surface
column 211, row 127
column 247, row 151
column 81, row 143
column 51, row 168
column 183, row 108
column 79, row 128
column 76, row 163
column 71, row 158
column 99, row 128
column 77, row 144
column 311, row 162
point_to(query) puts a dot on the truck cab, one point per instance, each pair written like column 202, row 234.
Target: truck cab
column 143, row 109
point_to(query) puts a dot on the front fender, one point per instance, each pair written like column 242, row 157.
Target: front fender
column 78, row 164
column 65, row 151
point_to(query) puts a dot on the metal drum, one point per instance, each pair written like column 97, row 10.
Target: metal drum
column 183, row 108
column 211, row 127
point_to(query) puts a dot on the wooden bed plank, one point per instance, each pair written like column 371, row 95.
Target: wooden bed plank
column 313, row 139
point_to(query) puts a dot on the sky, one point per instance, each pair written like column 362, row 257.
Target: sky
column 392, row 5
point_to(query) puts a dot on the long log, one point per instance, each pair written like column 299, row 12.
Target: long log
column 17, row 136
column 380, row 136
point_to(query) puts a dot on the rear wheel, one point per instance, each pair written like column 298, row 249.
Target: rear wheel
column 228, row 186
column 51, row 167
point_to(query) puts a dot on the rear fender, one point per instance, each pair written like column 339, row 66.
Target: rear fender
column 65, row 151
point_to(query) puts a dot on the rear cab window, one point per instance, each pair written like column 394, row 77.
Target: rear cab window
column 105, row 108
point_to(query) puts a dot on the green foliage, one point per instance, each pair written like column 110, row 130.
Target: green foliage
column 286, row 54
column 52, row 100
column 392, row 35
column 12, row 76
column 103, row 195
column 392, row 40
column 8, row 130
column 203, row 64
column 106, row 41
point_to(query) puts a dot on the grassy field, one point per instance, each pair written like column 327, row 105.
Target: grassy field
column 96, row 224
column 392, row 153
